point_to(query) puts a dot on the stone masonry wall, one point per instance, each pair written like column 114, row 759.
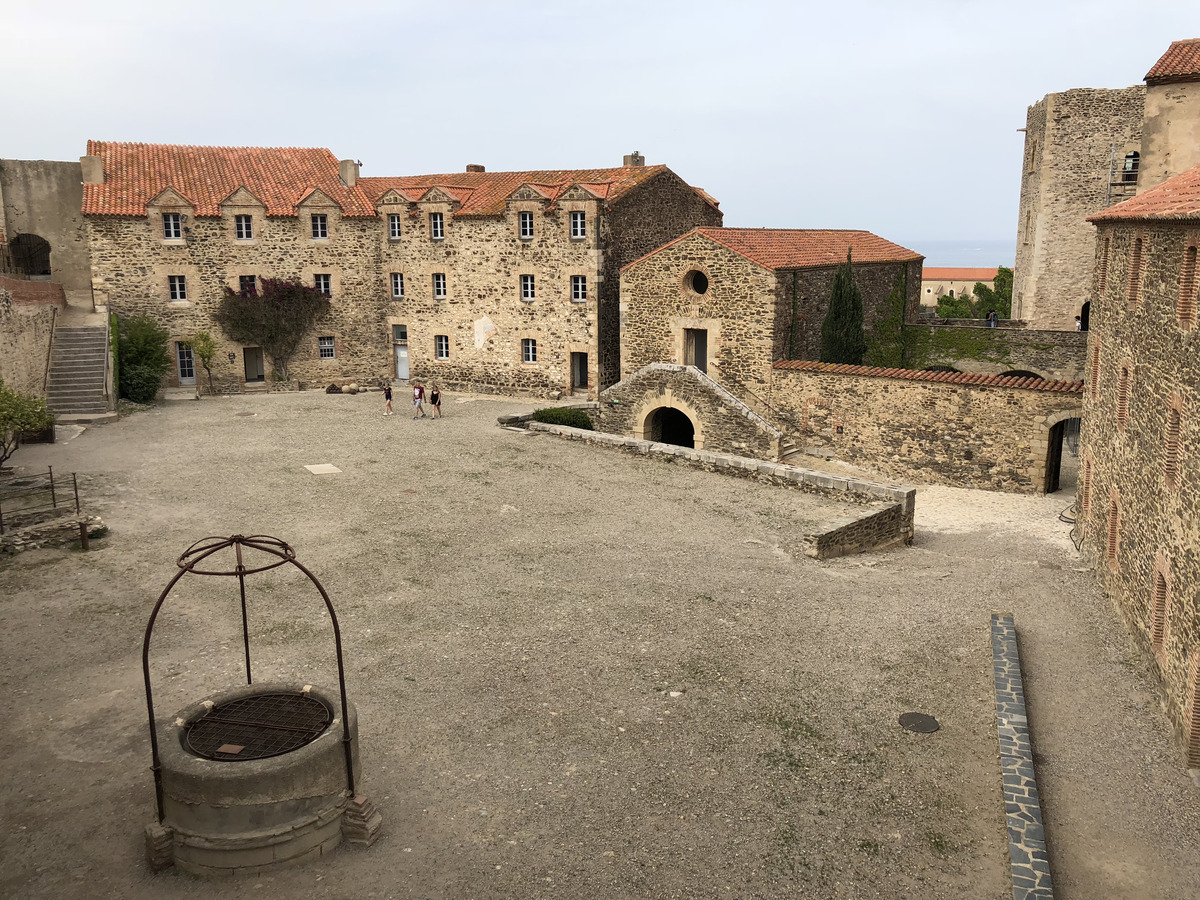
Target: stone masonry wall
column 652, row 214
column 1053, row 355
column 1138, row 497
column 131, row 262
column 1069, row 143
column 722, row 422
column 944, row 433
column 26, row 333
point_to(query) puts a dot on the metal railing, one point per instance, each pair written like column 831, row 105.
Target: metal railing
column 33, row 499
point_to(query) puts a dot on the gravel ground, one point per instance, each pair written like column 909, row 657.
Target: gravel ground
column 579, row 673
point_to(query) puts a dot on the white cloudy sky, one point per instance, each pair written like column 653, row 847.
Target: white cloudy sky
column 898, row 117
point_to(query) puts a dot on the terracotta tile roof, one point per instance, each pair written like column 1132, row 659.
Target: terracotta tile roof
column 135, row 174
column 1029, row 384
column 798, row 248
column 489, row 190
column 1181, row 62
column 958, row 274
column 1177, row 198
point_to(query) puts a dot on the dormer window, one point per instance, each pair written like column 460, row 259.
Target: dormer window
column 394, row 227
column 320, row 227
column 578, row 226
column 525, row 226
column 437, row 230
column 243, row 228
column 172, row 227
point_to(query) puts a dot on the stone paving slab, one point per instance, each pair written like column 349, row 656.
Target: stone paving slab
column 1022, row 806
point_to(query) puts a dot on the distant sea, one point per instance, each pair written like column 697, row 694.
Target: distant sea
column 972, row 254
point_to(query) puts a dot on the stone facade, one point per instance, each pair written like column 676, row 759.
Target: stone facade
column 1053, row 355
column 751, row 314
column 42, row 199
column 720, row 422
column 964, row 430
column 1140, row 470
column 1071, row 140
column 26, row 333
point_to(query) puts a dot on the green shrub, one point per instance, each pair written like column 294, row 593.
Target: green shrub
column 20, row 414
column 557, row 415
column 140, row 383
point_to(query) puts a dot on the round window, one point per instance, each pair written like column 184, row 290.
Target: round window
column 697, row 281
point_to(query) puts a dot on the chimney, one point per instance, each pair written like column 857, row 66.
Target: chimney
column 472, row 167
column 634, row 159
column 93, row 169
column 348, row 172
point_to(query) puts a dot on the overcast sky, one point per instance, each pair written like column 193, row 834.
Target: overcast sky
column 897, row 117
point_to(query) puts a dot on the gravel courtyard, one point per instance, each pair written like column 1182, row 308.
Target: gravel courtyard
column 579, row 674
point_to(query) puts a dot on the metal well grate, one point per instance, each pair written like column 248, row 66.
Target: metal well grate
column 258, row 727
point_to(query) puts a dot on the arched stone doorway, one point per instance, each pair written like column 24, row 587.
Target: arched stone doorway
column 1062, row 473
column 1085, row 316
column 670, row 426
column 31, row 255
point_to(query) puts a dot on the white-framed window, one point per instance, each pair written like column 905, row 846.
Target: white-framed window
column 177, row 287
column 323, row 282
column 247, row 284
column 172, row 226
column 439, row 285
column 578, row 226
column 437, row 227
column 578, row 288
column 441, row 346
column 525, row 226
column 398, row 285
column 325, row 347
column 394, row 228
column 528, row 350
column 528, row 292
column 243, row 228
column 320, row 226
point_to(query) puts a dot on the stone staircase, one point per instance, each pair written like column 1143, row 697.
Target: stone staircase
column 77, row 373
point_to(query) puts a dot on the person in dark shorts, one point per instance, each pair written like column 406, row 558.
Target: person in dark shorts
column 435, row 402
column 387, row 399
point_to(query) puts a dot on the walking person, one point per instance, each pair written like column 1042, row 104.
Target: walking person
column 419, row 400
column 387, row 399
column 435, row 402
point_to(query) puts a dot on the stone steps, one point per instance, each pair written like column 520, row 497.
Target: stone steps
column 77, row 370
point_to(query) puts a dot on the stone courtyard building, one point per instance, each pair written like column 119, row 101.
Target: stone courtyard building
column 493, row 281
column 1086, row 149
column 1140, row 476
column 732, row 301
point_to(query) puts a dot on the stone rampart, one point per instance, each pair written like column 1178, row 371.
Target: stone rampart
column 26, row 336
column 1053, row 355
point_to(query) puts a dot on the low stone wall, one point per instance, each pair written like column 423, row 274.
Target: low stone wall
column 722, row 422
column 1053, row 355
column 34, row 293
column 887, row 519
column 26, row 334
column 943, row 428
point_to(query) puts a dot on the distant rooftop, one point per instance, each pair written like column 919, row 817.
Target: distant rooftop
column 958, row 274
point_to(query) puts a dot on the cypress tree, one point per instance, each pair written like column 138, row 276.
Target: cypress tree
column 842, row 338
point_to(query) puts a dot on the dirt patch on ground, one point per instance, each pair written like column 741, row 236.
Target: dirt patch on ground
column 578, row 673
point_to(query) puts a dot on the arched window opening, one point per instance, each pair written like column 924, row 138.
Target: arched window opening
column 1160, row 611
column 1085, row 316
column 1129, row 171
column 31, row 255
column 1019, row 373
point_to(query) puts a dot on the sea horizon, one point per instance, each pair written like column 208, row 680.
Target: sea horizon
column 978, row 253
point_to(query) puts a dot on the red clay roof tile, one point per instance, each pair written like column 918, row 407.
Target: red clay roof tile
column 1181, row 62
column 1177, row 198
column 1031, row 384
column 958, row 274
column 135, row 174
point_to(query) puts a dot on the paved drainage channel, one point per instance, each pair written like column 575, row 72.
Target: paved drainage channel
column 1023, row 811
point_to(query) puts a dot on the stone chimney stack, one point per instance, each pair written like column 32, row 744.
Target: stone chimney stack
column 348, row 172
column 634, row 159
column 93, row 169
column 473, row 167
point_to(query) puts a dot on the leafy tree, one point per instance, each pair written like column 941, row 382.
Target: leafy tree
column 275, row 318
column 205, row 349
column 888, row 343
column 998, row 298
column 142, row 358
column 960, row 307
column 842, row 338
column 19, row 414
